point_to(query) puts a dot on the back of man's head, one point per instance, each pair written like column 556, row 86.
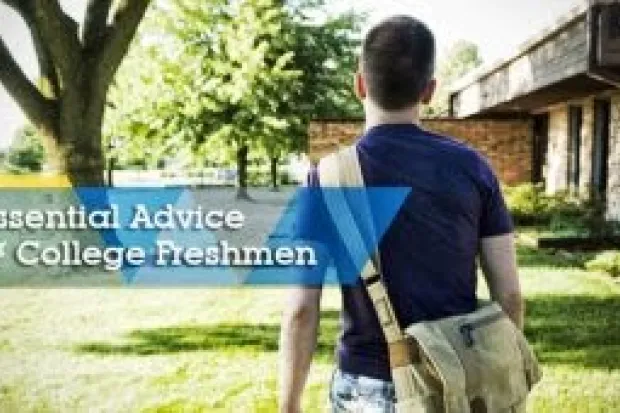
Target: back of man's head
column 398, row 62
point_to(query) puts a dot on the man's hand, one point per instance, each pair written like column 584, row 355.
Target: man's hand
column 297, row 343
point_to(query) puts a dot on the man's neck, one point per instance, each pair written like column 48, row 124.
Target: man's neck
column 376, row 116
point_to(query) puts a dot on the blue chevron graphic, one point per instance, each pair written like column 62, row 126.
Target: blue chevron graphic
column 305, row 222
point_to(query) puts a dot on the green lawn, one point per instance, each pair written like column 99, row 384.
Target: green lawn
column 128, row 350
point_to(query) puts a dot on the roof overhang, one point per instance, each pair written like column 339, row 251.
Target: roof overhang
column 562, row 63
column 570, row 89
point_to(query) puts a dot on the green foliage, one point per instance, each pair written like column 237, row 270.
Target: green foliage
column 530, row 205
column 560, row 212
column 608, row 261
column 526, row 204
column 26, row 154
column 576, row 216
column 594, row 218
column 460, row 59
column 259, row 176
column 570, row 215
column 206, row 78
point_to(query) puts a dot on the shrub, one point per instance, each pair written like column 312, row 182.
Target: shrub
column 530, row 205
column 608, row 261
column 526, row 204
column 561, row 212
column 26, row 154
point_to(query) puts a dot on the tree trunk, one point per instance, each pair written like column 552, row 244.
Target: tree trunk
column 85, row 163
column 75, row 149
column 54, row 156
column 274, row 173
column 242, row 172
column 76, row 71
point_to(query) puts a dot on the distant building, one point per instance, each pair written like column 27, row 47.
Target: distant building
column 567, row 81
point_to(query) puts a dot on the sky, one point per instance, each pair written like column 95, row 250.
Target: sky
column 498, row 27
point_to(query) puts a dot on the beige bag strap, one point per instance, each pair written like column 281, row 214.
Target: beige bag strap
column 342, row 169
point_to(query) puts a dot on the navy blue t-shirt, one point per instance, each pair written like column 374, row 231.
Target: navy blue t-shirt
column 428, row 254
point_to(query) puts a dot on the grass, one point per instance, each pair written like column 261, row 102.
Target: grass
column 156, row 350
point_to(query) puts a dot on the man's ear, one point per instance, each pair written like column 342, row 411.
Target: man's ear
column 360, row 86
column 428, row 92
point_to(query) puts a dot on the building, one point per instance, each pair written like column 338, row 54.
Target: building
column 566, row 81
column 550, row 113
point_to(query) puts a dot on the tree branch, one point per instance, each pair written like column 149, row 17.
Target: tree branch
column 61, row 34
column 47, row 69
column 124, row 25
column 95, row 23
column 36, row 107
column 19, row 6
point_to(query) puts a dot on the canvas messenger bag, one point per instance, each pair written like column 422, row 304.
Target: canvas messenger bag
column 476, row 362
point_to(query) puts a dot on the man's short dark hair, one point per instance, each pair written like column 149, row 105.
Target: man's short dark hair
column 398, row 62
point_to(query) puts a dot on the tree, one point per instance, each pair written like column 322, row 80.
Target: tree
column 326, row 55
column 461, row 58
column 274, row 147
column 244, row 76
column 76, row 70
column 218, row 78
column 26, row 153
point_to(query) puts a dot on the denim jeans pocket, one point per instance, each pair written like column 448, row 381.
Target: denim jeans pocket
column 349, row 394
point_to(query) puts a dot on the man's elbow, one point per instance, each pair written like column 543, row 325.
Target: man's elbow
column 300, row 316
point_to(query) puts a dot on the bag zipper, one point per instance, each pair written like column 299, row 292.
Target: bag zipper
column 467, row 329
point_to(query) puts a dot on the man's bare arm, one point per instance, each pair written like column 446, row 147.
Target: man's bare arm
column 499, row 265
column 297, row 343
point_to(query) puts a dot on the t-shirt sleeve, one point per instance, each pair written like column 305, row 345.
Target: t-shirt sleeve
column 495, row 218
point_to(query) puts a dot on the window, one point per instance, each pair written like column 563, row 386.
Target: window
column 608, row 36
column 612, row 21
column 540, row 146
column 575, row 123
column 600, row 147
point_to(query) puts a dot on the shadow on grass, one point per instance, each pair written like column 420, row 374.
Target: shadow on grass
column 233, row 337
column 577, row 330
column 537, row 257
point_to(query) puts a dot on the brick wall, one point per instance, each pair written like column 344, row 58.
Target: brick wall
column 613, row 191
column 326, row 136
column 506, row 143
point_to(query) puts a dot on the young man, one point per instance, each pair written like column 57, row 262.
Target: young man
column 455, row 212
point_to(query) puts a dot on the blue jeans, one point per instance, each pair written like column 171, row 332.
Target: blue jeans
column 359, row 394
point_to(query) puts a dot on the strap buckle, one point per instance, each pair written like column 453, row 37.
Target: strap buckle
column 373, row 279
